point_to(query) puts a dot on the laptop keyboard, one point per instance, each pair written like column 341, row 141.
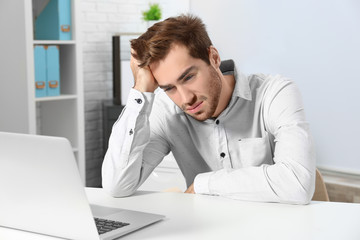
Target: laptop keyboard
column 105, row 225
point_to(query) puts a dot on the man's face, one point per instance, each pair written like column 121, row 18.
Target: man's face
column 191, row 83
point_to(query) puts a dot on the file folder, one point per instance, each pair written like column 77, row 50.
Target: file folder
column 54, row 22
column 40, row 71
column 53, row 71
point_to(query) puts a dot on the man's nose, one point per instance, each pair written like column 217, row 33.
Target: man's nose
column 186, row 96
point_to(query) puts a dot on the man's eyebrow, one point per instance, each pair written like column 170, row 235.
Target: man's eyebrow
column 182, row 76
column 186, row 72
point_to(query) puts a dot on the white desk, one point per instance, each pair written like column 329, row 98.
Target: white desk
column 207, row 217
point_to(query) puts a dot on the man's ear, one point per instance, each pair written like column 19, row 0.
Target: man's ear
column 214, row 57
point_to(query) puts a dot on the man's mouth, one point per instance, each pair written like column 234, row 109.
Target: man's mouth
column 195, row 107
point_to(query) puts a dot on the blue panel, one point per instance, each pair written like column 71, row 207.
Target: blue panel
column 65, row 19
column 46, row 23
column 54, row 22
column 40, row 71
column 53, row 71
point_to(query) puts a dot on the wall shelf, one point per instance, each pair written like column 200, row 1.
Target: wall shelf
column 53, row 42
column 56, row 98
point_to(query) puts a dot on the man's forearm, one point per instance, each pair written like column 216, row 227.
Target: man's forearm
column 122, row 164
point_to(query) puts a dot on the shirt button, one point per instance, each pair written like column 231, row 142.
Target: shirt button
column 217, row 122
column 131, row 132
column 138, row 100
column 222, row 154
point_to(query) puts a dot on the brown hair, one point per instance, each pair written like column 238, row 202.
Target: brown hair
column 155, row 43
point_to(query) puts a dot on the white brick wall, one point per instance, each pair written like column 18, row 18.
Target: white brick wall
column 100, row 21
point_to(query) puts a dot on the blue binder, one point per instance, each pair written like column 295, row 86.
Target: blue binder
column 54, row 22
column 40, row 71
column 53, row 71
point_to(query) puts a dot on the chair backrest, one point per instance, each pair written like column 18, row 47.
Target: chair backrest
column 320, row 193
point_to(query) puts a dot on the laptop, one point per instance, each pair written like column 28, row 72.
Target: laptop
column 42, row 192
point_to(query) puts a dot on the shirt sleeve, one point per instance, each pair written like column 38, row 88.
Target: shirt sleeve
column 201, row 183
column 291, row 179
column 126, row 165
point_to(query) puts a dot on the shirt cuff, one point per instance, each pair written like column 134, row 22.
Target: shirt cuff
column 141, row 102
column 201, row 183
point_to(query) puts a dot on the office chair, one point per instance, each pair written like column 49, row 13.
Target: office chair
column 320, row 193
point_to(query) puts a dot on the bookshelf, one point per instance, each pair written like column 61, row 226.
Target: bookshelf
column 20, row 110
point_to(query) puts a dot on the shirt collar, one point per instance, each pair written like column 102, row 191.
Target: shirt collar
column 242, row 87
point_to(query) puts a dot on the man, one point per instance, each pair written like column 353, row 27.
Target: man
column 240, row 137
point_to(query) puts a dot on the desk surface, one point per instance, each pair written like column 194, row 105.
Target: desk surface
column 191, row 216
column 210, row 217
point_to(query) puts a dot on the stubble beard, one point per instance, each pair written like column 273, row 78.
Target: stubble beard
column 212, row 100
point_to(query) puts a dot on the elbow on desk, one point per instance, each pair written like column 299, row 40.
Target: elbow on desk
column 300, row 192
column 291, row 183
column 118, row 191
column 299, row 198
column 117, row 187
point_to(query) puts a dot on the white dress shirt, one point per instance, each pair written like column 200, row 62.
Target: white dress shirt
column 258, row 149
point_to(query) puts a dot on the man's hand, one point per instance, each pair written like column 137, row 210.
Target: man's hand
column 190, row 189
column 143, row 77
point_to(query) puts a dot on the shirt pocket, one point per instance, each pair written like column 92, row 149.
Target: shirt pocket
column 253, row 152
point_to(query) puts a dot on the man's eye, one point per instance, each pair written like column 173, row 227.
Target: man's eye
column 187, row 78
column 168, row 89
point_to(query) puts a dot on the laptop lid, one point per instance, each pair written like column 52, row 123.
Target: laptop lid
column 41, row 189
